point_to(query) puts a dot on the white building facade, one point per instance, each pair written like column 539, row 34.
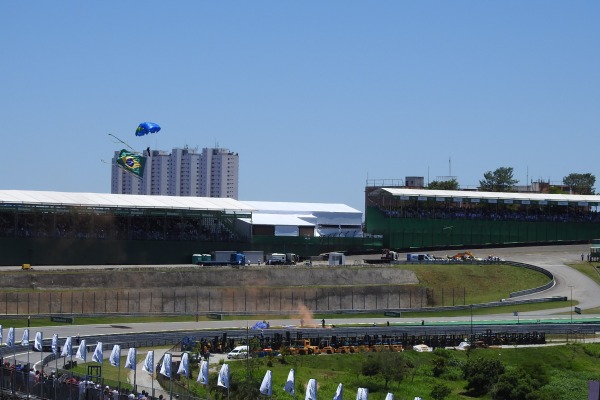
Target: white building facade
column 183, row 172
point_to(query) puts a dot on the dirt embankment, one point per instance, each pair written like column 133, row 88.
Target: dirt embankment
column 213, row 290
column 224, row 277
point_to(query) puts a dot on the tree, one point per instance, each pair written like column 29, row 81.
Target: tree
column 501, row 180
column 580, row 183
column 440, row 392
column 516, row 384
column 481, row 375
column 556, row 190
column 452, row 184
column 389, row 365
column 439, row 366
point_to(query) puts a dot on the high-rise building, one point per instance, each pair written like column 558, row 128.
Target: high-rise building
column 219, row 173
column 183, row 172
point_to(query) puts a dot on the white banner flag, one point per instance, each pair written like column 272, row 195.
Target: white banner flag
column 82, row 351
column 362, row 394
column 266, row 387
column 311, row 390
column 165, row 368
column 55, row 344
column 223, row 380
column 67, row 350
column 203, row 373
column 25, row 340
column 184, row 365
column 149, row 362
column 290, row 386
column 115, row 356
column 37, row 344
column 390, row 396
column 131, row 359
column 98, row 356
column 10, row 339
column 339, row 393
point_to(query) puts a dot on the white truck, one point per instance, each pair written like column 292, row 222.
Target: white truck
column 282, row 259
column 254, row 256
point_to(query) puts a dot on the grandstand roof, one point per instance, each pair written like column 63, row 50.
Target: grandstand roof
column 280, row 219
column 491, row 197
column 30, row 197
column 275, row 207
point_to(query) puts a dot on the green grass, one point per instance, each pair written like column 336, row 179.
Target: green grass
column 481, row 283
column 569, row 368
column 591, row 270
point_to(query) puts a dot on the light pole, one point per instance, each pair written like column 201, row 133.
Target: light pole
column 471, row 306
column 571, row 287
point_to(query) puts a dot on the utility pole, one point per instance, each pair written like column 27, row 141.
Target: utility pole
column 471, row 306
column 571, row 287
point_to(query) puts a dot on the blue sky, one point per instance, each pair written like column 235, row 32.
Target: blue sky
column 315, row 96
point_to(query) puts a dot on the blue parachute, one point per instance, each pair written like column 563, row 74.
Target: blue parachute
column 146, row 127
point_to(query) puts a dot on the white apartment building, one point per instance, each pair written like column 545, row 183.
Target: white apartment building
column 183, row 172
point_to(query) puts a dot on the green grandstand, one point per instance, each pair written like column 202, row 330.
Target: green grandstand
column 420, row 218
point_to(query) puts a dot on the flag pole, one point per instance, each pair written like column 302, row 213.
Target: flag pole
column 42, row 364
column 15, row 370
column 55, row 378
column 208, row 369
column 28, row 371
column 56, row 367
column 134, row 150
column 188, row 384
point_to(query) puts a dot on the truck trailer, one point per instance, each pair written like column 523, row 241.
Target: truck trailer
column 217, row 258
column 282, row 259
column 254, row 256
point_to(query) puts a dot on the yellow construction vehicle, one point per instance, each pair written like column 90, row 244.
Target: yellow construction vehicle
column 464, row 256
column 303, row 347
column 325, row 347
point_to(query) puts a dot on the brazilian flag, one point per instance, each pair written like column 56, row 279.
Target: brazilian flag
column 132, row 162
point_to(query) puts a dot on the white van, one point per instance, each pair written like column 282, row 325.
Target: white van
column 238, row 352
column 419, row 257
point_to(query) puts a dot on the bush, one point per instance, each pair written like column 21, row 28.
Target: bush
column 482, row 374
column 440, row 392
column 439, row 366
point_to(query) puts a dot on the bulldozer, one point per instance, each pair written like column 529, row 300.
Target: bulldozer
column 303, row 347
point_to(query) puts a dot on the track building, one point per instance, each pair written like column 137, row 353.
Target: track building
column 61, row 228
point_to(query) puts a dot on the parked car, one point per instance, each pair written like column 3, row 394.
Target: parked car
column 238, row 352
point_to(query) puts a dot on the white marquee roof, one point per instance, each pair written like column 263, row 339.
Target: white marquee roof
column 280, row 219
column 517, row 197
column 30, row 197
column 275, row 207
